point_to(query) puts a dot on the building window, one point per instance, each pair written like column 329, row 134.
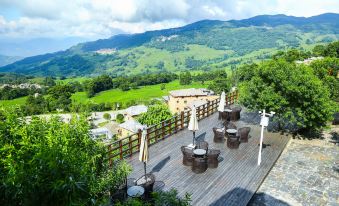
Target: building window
column 185, row 101
column 178, row 108
column 177, row 101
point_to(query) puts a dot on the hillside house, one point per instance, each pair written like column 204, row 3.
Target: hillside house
column 129, row 127
column 179, row 100
column 134, row 111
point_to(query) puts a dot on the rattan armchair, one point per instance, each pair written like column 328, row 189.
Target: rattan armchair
column 243, row 134
column 219, row 134
column 233, row 142
column 146, row 184
column 202, row 145
column 229, row 125
column 235, row 114
column 199, row 164
column 187, row 153
column 212, row 156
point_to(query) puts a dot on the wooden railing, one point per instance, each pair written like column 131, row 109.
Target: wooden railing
column 129, row 145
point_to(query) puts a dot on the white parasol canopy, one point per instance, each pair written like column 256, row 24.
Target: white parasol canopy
column 193, row 124
column 143, row 154
column 221, row 106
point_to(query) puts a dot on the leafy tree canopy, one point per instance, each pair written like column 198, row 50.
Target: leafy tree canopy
column 53, row 163
column 292, row 91
column 154, row 115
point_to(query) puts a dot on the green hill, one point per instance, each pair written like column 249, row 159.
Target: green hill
column 199, row 46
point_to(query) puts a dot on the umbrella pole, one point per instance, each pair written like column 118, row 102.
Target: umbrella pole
column 145, row 170
column 193, row 137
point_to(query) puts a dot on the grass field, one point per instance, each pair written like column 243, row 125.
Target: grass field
column 14, row 102
column 116, row 95
column 142, row 94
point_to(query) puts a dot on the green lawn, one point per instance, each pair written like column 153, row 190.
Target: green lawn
column 8, row 103
column 141, row 94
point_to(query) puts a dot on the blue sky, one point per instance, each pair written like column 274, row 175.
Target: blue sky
column 104, row 18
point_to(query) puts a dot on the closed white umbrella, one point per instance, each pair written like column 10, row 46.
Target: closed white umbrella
column 143, row 153
column 193, row 124
column 222, row 102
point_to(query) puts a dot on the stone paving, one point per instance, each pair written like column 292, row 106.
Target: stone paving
column 305, row 174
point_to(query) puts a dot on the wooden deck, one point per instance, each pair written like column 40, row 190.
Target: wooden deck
column 235, row 180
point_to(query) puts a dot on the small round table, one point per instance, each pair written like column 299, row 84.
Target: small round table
column 135, row 191
column 231, row 131
column 199, row 152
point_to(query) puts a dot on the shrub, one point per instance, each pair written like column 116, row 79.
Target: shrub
column 53, row 163
column 155, row 114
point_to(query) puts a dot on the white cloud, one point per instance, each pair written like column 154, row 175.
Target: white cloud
column 103, row 18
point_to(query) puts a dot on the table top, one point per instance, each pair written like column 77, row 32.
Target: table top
column 232, row 131
column 135, row 191
column 199, row 151
column 228, row 110
column 191, row 146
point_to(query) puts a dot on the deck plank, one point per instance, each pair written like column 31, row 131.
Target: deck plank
column 235, row 180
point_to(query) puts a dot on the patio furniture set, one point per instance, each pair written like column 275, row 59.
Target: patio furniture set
column 229, row 131
column 199, row 157
column 132, row 188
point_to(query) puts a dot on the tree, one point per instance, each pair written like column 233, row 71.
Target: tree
column 319, row 50
column 120, row 118
column 219, row 85
column 163, row 86
column 296, row 95
column 54, row 163
column 107, row 116
column 332, row 49
column 185, row 78
column 154, row 115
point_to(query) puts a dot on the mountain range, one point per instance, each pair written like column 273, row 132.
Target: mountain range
column 203, row 45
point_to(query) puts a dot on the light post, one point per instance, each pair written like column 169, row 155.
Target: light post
column 264, row 123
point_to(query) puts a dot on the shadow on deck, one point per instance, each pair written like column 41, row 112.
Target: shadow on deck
column 234, row 181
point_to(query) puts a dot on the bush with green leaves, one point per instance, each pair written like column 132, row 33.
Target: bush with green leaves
column 155, row 114
column 107, row 116
column 120, row 118
column 163, row 198
column 293, row 91
column 53, row 163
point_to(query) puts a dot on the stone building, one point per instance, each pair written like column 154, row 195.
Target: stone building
column 179, row 100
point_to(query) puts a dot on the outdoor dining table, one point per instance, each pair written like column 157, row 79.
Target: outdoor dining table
column 135, row 191
column 199, row 152
column 231, row 132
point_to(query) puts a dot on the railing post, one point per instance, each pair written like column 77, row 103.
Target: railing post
column 109, row 155
column 208, row 108
column 163, row 129
column 176, row 124
column 147, row 136
column 130, row 145
column 156, row 132
column 120, row 148
column 170, row 126
column 182, row 119
column 139, row 138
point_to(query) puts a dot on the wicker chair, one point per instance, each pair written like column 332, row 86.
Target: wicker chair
column 235, row 115
column 187, row 159
column 243, row 134
column 212, row 156
column 199, row 164
column 202, row 145
column 229, row 125
column 218, row 135
column 147, row 185
column 233, row 142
